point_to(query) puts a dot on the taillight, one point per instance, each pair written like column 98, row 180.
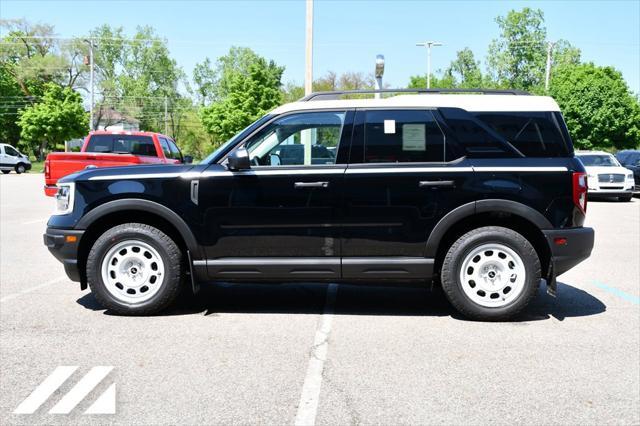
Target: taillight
column 580, row 190
column 47, row 173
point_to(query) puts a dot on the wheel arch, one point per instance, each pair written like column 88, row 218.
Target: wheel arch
column 509, row 214
column 117, row 212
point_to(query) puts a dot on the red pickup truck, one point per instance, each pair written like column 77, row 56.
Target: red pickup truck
column 112, row 149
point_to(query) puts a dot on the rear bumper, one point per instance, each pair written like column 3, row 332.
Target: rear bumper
column 61, row 244
column 575, row 246
column 606, row 192
column 50, row 190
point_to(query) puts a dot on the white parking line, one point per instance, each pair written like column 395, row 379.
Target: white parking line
column 31, row 289
column 308, row 405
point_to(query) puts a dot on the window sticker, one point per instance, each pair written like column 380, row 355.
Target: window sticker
column 413, row 137
column 389, row 126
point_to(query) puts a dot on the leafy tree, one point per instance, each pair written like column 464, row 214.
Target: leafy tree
column 598, row 107
column 465, row 70
column 517, row 58
column 11, row 100
column 58, row 117
column 136, row 76
column 247, row 97
column 205, row 79
column 447, row 81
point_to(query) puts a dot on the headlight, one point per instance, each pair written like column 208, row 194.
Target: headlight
column 64, row 198
column 630, row 176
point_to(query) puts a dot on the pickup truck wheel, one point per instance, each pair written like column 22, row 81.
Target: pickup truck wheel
column 490, row 273
column 134, row 269
column 20, row 168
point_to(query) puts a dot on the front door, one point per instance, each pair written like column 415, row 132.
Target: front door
column 280, row 217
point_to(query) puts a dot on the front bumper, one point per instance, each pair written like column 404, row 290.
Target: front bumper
column 569, row 247
column 63, row 244
column 27, row 166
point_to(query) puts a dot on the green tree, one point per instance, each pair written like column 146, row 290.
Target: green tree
column 597, row 105
column 136, row 76
column 447, row 81
column 517, row 58
column 247, row 97
column 465, row 70
column 11, row 100
column 58, row 117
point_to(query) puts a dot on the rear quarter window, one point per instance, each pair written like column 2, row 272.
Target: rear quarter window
column 534, row 134
column 125, row 144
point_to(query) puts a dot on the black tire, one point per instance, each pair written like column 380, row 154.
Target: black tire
column 625, row 199
column 452, row 264
column 6, row 172
column 20, row 168
column 167, row 249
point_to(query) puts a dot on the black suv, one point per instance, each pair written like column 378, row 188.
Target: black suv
column 480, row 192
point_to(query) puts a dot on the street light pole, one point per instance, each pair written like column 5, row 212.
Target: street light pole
column 308, row 71
column 428, row 45
column 91, row 83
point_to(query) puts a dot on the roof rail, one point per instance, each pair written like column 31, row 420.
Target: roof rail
column 316, row 96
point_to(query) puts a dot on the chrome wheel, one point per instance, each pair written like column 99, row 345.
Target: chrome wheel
column 492, row 275
column 132, row 271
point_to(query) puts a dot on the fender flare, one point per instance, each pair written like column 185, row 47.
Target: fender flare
column 482, row 206
column 147, row 206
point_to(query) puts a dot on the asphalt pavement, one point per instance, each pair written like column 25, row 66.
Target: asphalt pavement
column 323, row 354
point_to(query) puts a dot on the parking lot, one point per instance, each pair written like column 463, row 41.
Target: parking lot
column 332, row 354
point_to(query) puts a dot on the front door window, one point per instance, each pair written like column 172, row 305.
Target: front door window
column 303, row 139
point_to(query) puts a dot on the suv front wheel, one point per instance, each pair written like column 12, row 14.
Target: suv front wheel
column 134, row 269
column 490, row 273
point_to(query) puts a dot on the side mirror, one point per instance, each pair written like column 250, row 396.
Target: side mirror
column 187, row 159
column 239, row 160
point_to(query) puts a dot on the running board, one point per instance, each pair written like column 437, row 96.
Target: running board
column 319, row 268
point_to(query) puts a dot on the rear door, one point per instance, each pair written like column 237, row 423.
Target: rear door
column 402, row 179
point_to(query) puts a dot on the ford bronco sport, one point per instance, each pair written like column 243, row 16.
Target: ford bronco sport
column 479, row 191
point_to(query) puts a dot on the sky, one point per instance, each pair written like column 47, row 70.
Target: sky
column 348, row 34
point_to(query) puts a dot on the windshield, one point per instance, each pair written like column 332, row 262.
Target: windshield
column 222, row 149
column 599, row 160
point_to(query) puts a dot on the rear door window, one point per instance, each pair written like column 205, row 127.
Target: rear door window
column 402, row 136
column 535, row 134
column 122, row 144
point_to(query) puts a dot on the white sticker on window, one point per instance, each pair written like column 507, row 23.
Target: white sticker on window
column 390, row 126
column 413, row 137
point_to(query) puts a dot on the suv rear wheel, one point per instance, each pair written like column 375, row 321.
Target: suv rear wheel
column 134, row 269
column 490, row 273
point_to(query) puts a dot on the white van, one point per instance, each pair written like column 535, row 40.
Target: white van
column 12, row 159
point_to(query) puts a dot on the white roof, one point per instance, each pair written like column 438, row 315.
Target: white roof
column 467, row 102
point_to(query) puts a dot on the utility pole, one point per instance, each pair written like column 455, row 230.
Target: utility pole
column 547, row 76
column 166, row 117
column 91, row 82
column 379, row 73
column 308, row 71
column 428, row 45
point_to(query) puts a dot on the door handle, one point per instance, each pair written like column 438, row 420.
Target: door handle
column 435, row 183
column 299, row 185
